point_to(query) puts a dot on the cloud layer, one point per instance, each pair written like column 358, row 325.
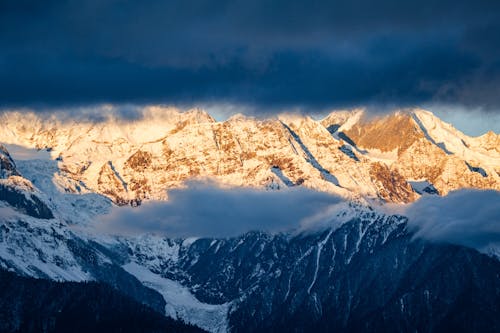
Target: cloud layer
column 205, row 210
column 268, row 54
column 465, row 217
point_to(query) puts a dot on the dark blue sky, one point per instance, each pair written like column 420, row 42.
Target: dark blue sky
column 267, row 54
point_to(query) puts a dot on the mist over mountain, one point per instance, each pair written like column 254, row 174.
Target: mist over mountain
column 354, row 222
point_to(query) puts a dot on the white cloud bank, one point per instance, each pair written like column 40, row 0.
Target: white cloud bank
column 205, row 210
column 465, row 217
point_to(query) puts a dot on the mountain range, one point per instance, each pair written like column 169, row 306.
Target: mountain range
column 363, row 270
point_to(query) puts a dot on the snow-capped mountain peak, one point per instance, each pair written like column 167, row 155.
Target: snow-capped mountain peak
column 347, row 153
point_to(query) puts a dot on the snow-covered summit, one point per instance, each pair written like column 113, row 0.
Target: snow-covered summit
column 347, row 153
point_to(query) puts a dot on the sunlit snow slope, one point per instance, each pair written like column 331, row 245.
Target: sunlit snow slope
column 347, row 153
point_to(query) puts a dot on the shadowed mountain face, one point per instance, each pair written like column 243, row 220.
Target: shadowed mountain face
column 31, row 305
column 402, row 287
column 29, row 204
column 18, row 191
column 366, row 276
column 7, row 164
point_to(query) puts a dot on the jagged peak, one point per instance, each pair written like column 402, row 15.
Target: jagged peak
column 175, row 146
column 7, row 164
column 489, row 140
column 199, row 116
column 20, row 183
column 4, row 151
column 385, row 132
column 368, row 117
column 490, row 134
column 434, row 122
column 296, row 119
column 341, row 117
column 238, row 117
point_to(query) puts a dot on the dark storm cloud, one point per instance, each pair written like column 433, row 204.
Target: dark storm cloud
column 465, row 217
column 263, row 53
column 205, row 210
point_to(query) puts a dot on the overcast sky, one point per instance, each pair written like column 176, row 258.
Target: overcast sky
column 268, row 55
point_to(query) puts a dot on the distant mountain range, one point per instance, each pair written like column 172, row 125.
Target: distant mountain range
column 365, row 272
column 350, row 153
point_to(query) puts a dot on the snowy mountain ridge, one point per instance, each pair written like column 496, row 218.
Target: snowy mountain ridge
column 346, row 153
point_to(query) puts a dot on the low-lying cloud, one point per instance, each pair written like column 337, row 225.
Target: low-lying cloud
column 204, row 210
column 465, row 217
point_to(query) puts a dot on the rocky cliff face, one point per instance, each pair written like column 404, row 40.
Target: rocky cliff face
column 425, row 148
column 7, row 164
column 346, row 153
column 19, row 192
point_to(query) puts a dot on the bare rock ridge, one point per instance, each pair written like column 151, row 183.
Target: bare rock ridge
column 7, row 164
column 19, row 192
column 347, row 153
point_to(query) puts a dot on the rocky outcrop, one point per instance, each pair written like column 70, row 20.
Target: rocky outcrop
column 391, row 184
column 392, row 132
column 419, row 146
column 20, row 193
column 7, row 164
column 112, row 185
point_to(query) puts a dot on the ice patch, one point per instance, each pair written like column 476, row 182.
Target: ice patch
column 181, row 304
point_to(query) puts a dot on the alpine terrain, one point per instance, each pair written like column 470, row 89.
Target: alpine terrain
column 364, row 268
